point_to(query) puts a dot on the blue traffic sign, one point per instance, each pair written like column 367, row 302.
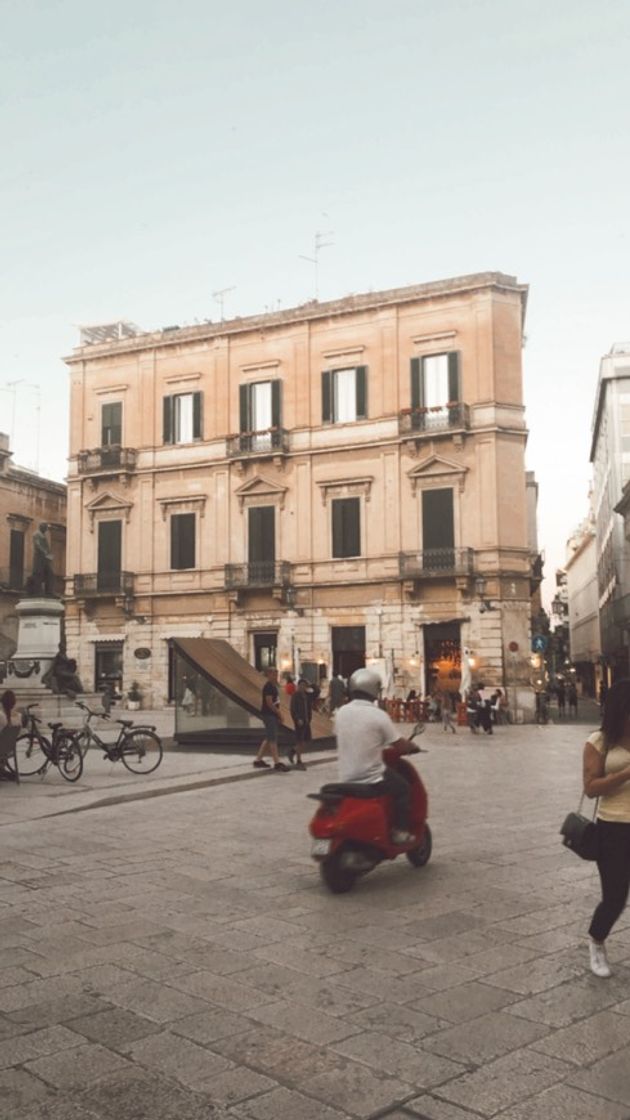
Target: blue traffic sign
column 539, row 643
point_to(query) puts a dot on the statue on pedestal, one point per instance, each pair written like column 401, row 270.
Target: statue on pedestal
column 62, row 676
column 41, row 581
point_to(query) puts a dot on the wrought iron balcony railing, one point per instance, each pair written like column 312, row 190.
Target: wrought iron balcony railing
column 97, row 584
column 105, row 459
column 436, row 563
column 260, row 573
column 273, row 441
column 441, row 418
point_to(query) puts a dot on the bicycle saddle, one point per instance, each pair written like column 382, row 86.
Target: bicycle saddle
column 125, row 722
column 54, row 726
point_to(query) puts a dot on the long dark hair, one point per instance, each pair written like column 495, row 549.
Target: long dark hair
column 616, row 712
column 8, row 701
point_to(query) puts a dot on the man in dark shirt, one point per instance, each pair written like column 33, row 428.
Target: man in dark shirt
column 301, row 716
column 270, row 714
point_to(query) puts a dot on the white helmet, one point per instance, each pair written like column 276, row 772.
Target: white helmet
column 367, row 681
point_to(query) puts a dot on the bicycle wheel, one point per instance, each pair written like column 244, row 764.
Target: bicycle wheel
column 141, row 751
column 31, row 756
column 68, row 757
column 81, row 742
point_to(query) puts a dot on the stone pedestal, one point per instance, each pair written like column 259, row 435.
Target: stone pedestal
column 39, row 634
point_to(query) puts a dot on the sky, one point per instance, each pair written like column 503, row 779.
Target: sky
column 155, row 153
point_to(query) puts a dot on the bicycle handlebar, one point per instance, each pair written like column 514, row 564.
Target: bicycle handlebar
column 90, row 712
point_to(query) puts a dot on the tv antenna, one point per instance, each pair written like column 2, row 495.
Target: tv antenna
column 318, row 244
column 219, row 297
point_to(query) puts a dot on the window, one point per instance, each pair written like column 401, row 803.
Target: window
column 111, row 424
column 182, row 540
column 182, row 418
column 260, row 406
column 346, row 527
column 438, row 529
column 348, row 649
column 344, row 395
column 16, row 559
column 435, row 380
column 261, row 544
column 109, row 555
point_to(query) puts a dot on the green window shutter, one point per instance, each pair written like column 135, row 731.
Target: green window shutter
column 361, row 387
column 346, row 527
column 438, row 522
column 337, row 528
column 111, row 424
column 167, row 420
column 454, row 388
column 197, row 417
column 262, row 535
column 276, row 404
column 182, row 540
column 244, row 408
column 417, row 387
column 327, row 411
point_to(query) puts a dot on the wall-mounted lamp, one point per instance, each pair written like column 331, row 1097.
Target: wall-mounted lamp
column 472, row 661
column 480, row 591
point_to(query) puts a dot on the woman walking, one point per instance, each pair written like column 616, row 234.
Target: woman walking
column 607, row 777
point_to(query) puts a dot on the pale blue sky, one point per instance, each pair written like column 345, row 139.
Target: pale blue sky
column 155, row 152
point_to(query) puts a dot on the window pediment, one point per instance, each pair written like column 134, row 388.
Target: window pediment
column 261, row 491
column 187, row 504
column 435, row 469
column 346, row 488
column 107, row 506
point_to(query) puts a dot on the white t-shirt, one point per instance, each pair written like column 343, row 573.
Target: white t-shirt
column 362, row 731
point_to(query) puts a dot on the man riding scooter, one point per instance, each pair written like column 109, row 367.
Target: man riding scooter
column 363, row 731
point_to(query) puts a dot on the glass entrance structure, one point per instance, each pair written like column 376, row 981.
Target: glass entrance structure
column 217, row 696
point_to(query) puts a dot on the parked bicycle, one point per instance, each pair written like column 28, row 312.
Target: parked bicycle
column 138, row 748
column 36, row 752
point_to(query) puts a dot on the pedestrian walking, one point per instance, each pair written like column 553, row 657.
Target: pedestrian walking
column 301, row 716
column 473, row 701
column 337, row 694
column 561, row 697
column 447, row 714
column 270, row 714
column 10, row 716
column 572, row 698
column 485, row 716
column 607, row 777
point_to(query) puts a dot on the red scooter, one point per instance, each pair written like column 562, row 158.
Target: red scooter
column 351, row 829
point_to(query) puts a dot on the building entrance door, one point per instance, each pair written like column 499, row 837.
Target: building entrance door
column 265, row 650
column 443, row 657
column 108, row 666
column 348, row 649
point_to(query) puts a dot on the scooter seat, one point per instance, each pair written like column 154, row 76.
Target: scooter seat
column 352, row 789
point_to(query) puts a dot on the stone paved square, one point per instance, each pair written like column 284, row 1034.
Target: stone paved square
column 199, row 970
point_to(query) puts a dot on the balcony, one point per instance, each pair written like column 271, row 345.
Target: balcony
column 103, row 585
column 436, row 563
column 261, row 575
column 15, row 582
column 443, row 419
column 107, row 462
column 263, row 445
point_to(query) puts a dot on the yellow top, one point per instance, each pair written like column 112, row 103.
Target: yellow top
column 614, row 806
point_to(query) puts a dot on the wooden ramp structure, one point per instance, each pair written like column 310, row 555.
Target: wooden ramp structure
column 216, row 662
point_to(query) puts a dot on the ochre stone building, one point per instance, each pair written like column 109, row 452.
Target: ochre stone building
column 321, row 486
column 26, row 500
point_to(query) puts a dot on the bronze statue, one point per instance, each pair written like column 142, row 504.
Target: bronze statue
column 62, row 676
column 41, row 581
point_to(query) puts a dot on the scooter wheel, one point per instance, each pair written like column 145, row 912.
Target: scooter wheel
column 337, row 878
column 422, row 854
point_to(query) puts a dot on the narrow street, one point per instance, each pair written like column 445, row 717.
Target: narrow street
column 177, row 958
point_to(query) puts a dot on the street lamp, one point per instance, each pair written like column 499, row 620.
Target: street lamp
column 480, row 591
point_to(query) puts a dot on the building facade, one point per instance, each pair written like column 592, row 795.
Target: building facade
column 26, row 500
column 322, row 487
column 610, row 456
column 583, row 604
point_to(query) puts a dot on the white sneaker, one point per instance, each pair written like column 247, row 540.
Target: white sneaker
column 599, row 960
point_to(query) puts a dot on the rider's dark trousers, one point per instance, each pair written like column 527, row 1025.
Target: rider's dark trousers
column 395, row 786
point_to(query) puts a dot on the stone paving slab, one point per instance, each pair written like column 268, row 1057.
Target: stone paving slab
column 177, row 958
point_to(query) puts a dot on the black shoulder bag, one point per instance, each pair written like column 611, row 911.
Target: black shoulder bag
column 579, row 833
